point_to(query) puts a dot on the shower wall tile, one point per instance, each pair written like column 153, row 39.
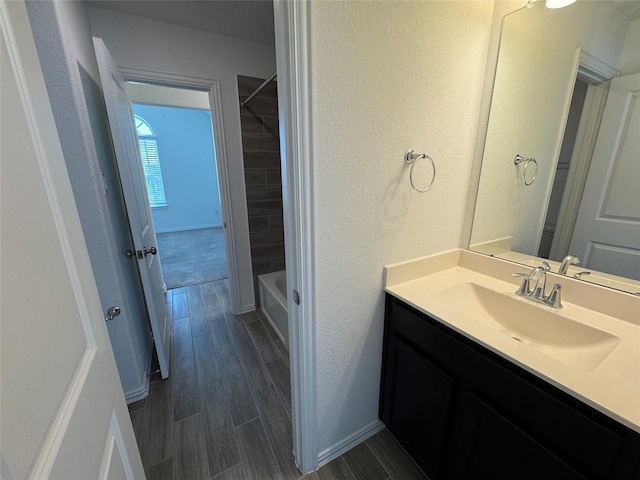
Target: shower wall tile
column 252, row 123
column 259, row 142
column 255, row 176
column 248, row 85
column 258, row 224
column 260, row 105
column 264, row 208
column 261, row 159
column 264, row 192
column 268, row 237
column 261, row 155
column 274, row 175
column 276, row 222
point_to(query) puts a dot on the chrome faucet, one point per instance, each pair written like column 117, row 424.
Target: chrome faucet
column 566, row 262
column 537, row 293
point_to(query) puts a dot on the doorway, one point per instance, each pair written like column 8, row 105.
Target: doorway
column 177, row 147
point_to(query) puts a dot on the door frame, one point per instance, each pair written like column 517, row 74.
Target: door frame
column 212, row 87
column 597, row 74
column 293, row 60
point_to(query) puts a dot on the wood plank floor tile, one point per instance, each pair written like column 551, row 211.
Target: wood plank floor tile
column 137, row 420
column 363, row 464
column 161, row 471
column 265, row 345
column 279, row 372
column 190, row 460
column 207, row 289
column 194, row 296
column 277, row 425
column 198, row 320
column 180, row 306
column 257, row 374
column 236, row 325
column 179, row 290
column 392, row 456
column 234, row 473
column 212, row 305
column 221, row 339
column 157, row 428
column 237, row 391
column 182, row 340
column 336, row 469
column 220, row 436
column 133, row 406
column 283, row 351
column 267, row 325
column 206, row 363
column 186, row 394
column 223, row 295
column 168, row 296
column 255, row 451
column 250, row 317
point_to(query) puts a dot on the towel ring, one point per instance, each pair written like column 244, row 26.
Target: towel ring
column 519, row 159
column 412, row 158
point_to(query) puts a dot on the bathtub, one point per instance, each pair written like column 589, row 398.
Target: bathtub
column 273, row 302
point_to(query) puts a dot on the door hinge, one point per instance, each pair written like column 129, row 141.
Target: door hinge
column 296, row 297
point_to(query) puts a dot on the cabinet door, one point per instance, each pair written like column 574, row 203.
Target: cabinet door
column 417, row 404
column 497, row 449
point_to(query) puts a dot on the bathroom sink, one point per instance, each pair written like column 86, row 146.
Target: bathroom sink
column 571, row 342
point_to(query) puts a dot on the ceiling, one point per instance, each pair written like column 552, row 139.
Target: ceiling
column 250, row 20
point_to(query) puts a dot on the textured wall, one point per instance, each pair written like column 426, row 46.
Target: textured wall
column 261, row 152
column 630, row 62
column 155, row 46
column 386, row 76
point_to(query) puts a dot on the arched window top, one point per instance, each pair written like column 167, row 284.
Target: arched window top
column 143, row 128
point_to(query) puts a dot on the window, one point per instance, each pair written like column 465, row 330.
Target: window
column 150, row 162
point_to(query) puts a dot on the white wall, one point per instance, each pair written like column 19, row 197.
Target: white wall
column 139, row 43
column 630, row 62
column 63, row 40
column 385, row 77
column 167, row 96
column 534, row 83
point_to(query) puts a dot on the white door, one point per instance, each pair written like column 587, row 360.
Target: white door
column 134, row 186
column 607, row 232
column 62, row 411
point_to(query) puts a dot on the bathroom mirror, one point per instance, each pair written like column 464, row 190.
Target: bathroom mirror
column 575, row 187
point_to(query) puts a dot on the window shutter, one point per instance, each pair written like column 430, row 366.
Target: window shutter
column 152, row 172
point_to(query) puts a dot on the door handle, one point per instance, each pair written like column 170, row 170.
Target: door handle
column 112, row 312
column 131, row 253
column 151, row 251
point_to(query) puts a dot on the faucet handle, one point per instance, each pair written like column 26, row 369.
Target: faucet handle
column 525, row 287
column 554, row 297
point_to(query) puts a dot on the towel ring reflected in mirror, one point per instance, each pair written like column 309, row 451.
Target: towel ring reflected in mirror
column 412, row 158
column 527, row 161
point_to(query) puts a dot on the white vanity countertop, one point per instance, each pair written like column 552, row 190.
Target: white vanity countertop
column 612, row 387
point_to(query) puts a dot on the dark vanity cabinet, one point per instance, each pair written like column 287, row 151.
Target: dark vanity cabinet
column 464, row 412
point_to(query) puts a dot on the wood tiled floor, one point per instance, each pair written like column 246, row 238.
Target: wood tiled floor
column 225, row 411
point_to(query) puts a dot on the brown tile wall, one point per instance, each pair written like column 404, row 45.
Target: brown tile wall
column 261, row 149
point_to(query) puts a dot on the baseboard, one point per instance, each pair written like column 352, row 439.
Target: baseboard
column 349, row 442
column 251, row 307
column 139, row 393
column 143, row 391
column 184, row 229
